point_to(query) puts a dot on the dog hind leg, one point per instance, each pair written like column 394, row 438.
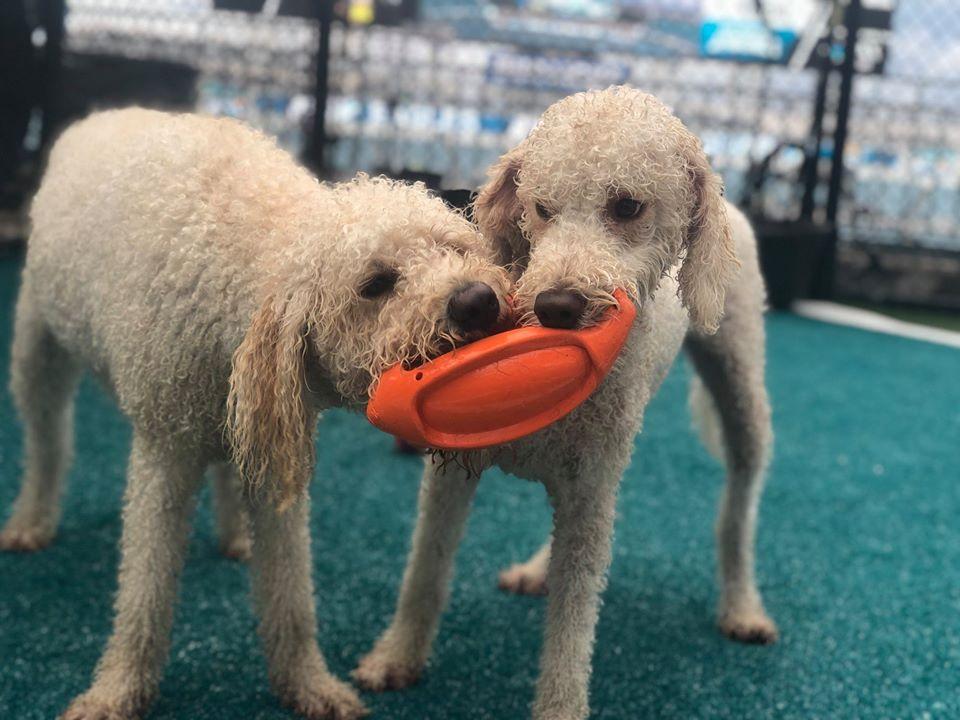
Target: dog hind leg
column 530, row 577
column 731, row 367
column 232, row 522
column 44, row 379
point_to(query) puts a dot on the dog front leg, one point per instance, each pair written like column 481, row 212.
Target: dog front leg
column 401, row 652
column 283, row 595
column 584, row 509
column 159, row 498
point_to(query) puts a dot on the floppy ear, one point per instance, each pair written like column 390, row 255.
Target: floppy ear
column 497, row 209
column 270, row 425
column 710, row 262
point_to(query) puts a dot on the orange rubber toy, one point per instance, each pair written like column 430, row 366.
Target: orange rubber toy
column 501, row 388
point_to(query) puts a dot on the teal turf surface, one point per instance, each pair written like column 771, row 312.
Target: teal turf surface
column 859, row 560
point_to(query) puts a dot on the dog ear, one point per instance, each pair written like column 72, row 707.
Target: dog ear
column 497, row 209
column 269, row 422
column 710, row 261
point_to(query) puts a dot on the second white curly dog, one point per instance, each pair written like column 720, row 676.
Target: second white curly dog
column 609, row 191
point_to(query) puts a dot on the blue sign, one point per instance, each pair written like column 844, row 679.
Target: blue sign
column 746, row 40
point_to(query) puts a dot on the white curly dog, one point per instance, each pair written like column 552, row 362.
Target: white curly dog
column 224, row 297
column 609, row 191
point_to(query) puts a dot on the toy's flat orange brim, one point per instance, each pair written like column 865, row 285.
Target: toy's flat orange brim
column 501, row 388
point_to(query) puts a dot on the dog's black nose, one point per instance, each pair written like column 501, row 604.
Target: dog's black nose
column 559, row 308
column 474, row 307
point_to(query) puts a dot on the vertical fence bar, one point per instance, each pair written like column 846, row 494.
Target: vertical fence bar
column 847, row 71
column 811, row 167
column 52, row 14
column 823, row 285
column 318, row 135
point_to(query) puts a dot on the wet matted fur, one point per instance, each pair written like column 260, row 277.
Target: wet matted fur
column 689, row 261
column 224, row 297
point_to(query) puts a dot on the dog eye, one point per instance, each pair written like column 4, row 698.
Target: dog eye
column 544, row 212
column 379, row 283
column 627, row 208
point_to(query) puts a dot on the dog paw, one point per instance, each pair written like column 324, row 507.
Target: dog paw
column 380, row 671
column 325, row 698
column 17, row 538
column 751, row 627
column 92, row 707
column 523, row 579
column 236, row 548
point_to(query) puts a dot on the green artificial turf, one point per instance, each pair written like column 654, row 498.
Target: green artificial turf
column 859, row 560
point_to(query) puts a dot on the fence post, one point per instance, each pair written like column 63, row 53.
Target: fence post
column 52, row 13
column 318, row 135
column 851, row 22
column 823, row 286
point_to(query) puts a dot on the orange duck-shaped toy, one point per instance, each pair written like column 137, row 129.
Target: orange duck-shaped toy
column 501, row 388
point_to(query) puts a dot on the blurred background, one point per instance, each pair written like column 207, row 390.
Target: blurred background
column 835, row 124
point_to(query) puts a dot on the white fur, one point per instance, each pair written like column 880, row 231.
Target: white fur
column 687, row 256
column 213, row 286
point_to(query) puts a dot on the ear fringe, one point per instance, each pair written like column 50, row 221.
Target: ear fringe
column 710, row 262
column 497, row 210
column 270, row 427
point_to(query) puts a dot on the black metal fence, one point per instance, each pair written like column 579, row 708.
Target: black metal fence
column 837, row 124
column 899, row 219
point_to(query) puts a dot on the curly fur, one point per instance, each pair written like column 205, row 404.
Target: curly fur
column 689, row 261
column 214, row 287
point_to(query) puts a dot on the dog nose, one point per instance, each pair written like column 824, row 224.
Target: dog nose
column 559, row 308
column 474, row 307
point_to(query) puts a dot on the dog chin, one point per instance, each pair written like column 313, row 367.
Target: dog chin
column 446, row 344
column 596, row 309
column 593, row 318
column 412, row 363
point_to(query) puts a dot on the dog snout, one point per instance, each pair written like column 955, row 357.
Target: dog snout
column 474, row 307
column 560, row 309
